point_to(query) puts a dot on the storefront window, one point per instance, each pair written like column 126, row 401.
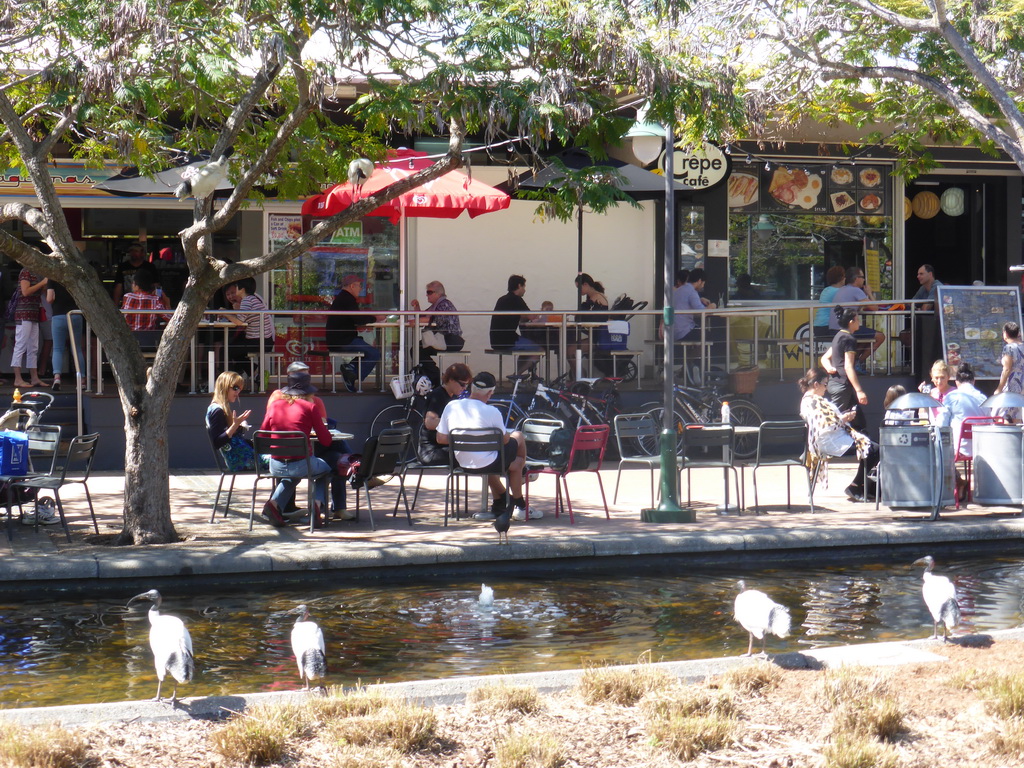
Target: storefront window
column 786, row 255
column 691, row 236
column 368, row 248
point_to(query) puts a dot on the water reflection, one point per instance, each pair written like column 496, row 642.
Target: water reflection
column 89, row 650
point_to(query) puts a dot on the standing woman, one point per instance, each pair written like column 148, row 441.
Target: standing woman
column 592, row 299
column 63, row 327
column 1012, row 377
column 840, row 360
column 26, row 337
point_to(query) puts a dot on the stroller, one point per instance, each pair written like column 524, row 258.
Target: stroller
column 26, row 412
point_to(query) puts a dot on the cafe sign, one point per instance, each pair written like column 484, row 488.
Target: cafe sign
column 702, row 168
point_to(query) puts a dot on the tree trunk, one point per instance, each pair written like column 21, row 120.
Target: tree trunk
column 147, row 502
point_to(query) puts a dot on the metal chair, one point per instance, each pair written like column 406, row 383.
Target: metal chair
column 288, row 446
column 483, row 440
column 630, row 429
column 537, row 434
column 386, row 459
column 781, row 444
column 78, row 459
column 225, row 472
column 717, row 442
column 966, row 435
column 591, row 437
column 43, row 446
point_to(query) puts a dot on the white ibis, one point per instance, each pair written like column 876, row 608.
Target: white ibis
column 308, row 647
column 359, row 171
column 940, row 597
column 201, row 182
column 760, row 615
column 170, row 643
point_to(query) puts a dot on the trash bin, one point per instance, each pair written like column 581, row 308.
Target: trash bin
column 907, row 466
column 998, row 464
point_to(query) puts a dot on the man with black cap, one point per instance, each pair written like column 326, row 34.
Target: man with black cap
column 475, row 413
column 295, row 412
column 342, row 330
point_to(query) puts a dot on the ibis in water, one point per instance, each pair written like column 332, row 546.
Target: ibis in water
column 170, row 643
column 308, row 647
column 760, row 615
column 940, row 597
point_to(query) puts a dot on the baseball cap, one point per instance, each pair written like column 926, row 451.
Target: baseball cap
column 349, row 279
column 484, row 381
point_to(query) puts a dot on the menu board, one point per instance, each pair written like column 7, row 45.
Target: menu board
column 972, row 325
column 834, row 189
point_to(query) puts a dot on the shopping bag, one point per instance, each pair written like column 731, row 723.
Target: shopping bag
column 13, row 453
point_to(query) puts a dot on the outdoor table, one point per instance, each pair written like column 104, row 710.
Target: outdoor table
column 226, row 325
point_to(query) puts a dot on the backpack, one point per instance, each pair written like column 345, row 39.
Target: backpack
column 561, row 446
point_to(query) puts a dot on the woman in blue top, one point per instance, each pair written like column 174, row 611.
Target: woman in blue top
column 836, row 279
column 1012, row 377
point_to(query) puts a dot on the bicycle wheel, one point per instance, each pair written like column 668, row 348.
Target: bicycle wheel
column 538, row 451
column 511, row 413
column 396, row 412
column 743, row 413
column 651, row 446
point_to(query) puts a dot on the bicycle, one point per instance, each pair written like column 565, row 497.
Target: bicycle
column 409, row 410
column 703, row 405
column 579, row 402
column 541, row 402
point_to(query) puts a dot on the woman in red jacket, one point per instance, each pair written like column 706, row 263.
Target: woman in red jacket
column 296, row 412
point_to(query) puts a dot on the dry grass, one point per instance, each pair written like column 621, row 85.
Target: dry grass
column 752, row 679
column 624, row 686
column 402, row 725
column 525, row 749
column 339, row 704
column 1004, row 695
column 261, row 736
column 1009, row 739
column 879, row 717
column 686, row 701
column 685, row 737
column 42, row 747
column 851, row 684
column 858, row 752
column 349, row 756
column 502, row 697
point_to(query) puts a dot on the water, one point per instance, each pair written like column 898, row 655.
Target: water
column 93, row 650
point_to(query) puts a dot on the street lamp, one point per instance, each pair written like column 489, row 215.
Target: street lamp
column 647, row 140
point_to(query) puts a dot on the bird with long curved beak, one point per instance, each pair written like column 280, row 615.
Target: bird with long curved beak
column 171, row 645
column 308, row 647
column 760, row 616
column 359, row 171
column 940, row 597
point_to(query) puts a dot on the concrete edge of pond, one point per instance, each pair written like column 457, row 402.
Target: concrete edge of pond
column 111, row 563
column 454, row 690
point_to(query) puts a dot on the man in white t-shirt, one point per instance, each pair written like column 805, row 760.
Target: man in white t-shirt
column 475, row 413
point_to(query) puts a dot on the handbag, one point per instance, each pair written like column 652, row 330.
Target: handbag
column 239, row 455
column 432, row 339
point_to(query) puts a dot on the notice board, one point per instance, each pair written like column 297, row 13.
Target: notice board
column 972, row 321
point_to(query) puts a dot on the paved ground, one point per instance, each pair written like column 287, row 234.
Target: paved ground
column 227, row 546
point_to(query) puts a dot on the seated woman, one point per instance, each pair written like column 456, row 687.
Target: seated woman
column 226, row 428
column 295, row 412
column 894, row 418
column 453, row 383
column 829, row 433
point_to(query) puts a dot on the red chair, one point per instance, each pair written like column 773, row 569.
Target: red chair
column 587, row 438
column 967, row 433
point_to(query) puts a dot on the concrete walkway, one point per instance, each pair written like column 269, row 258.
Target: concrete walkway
column 228, row 547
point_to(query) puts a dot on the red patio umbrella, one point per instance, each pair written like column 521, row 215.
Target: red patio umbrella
column 446, row 197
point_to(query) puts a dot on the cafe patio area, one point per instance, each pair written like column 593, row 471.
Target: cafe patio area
column 227, row 547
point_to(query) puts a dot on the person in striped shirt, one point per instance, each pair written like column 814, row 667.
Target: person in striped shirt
column 251, row 315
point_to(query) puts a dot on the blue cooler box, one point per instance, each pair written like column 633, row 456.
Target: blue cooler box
column 614, row 337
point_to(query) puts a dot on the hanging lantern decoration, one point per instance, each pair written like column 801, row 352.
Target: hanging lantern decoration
column 953, row 201
column 926, row 205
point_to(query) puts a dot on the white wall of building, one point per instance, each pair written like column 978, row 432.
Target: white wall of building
column 474, row 258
